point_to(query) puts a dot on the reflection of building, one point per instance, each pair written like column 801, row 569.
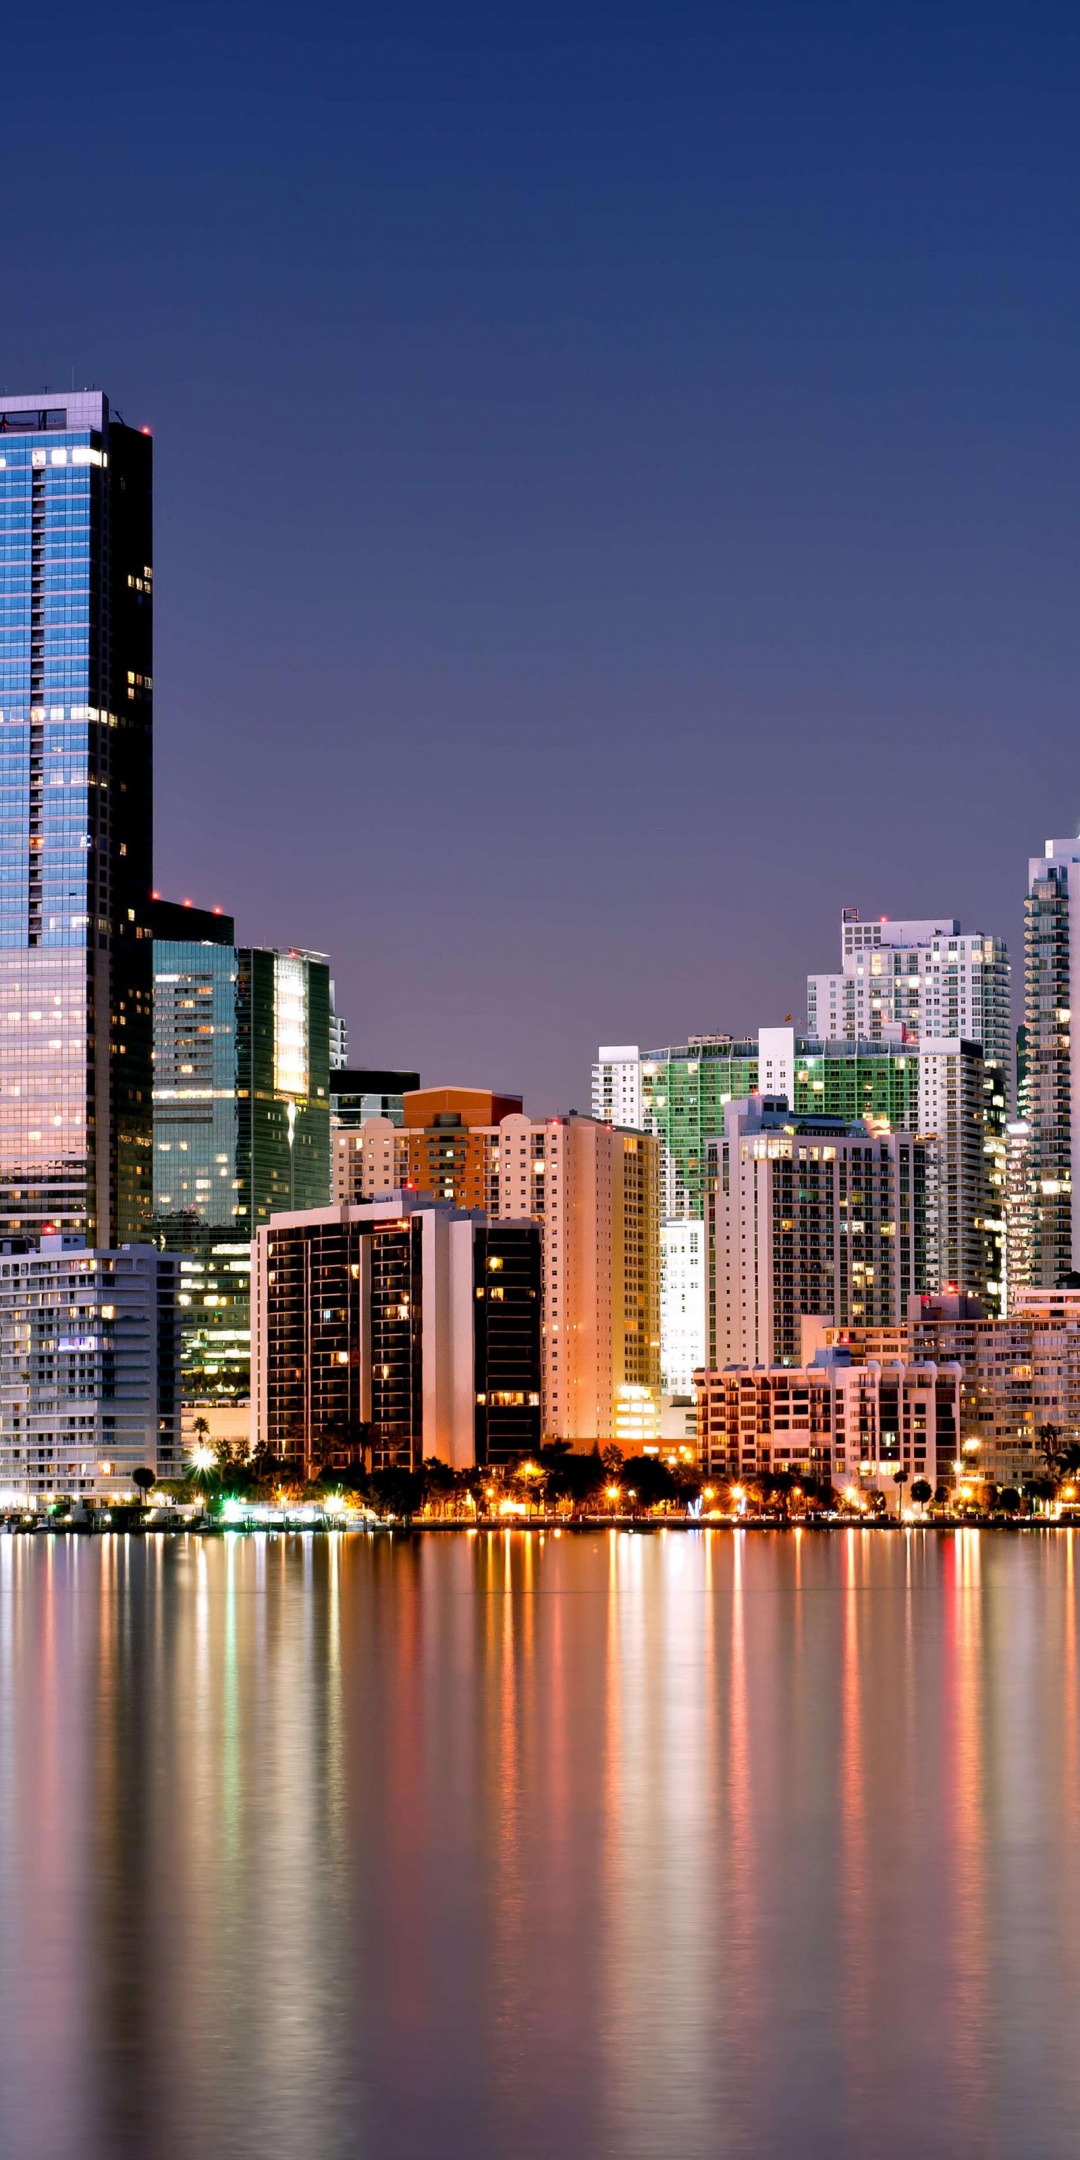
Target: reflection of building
column 809, row 1215
column 846, row 1424
column 241, row 1119
column 89, row 1358
column 76, row 699
column 683, row 1344
column 400, row 1330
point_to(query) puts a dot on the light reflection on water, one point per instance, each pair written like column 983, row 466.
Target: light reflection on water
column 696, row 1845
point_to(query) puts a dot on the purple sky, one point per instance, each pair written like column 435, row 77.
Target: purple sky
column 616, row 479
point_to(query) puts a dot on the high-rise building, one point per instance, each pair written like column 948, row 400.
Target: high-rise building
column 241, row 1119
column 944, row 1089
column 685, row 1090
column 89, row 1370
column 683, row 1303
column 595, row 1189
column 76, row 807
column 616, row 1085
column 1020, row 1211
column 358, row 1093
column 339, row 1035
column 1052, row 1081
column 440, row 1147
column 809, row 1215
column 396, row 1331
column 914, row 979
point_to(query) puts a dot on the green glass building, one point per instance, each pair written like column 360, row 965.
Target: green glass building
column 685, row 1090
column 241, row 1121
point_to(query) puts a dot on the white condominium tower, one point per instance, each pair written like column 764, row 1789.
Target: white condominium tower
column 616, row 1085
column 915, row 978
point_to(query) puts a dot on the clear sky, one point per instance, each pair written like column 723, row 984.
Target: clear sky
column 616, row 479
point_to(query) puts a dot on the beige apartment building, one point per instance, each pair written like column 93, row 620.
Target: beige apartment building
column 1018, row 1374
column 595, row 1189
column 849, row 1424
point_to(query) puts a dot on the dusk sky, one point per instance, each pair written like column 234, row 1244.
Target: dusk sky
column 616, row 481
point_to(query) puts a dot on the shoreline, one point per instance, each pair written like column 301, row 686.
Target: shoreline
column 543, row 1526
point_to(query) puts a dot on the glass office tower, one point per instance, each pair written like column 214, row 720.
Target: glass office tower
column 76, row 694
column 241, row 1121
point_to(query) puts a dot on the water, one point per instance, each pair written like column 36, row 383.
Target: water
column 692, row 1845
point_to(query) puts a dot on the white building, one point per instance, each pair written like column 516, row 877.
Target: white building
column 959, row 1101
column 616, row 1085
column 810, row 1215
column 89, row 1371
column 914, row 980
column 683, row 1341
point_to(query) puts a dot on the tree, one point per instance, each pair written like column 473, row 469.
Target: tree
column 650, row 1481
column 612, row 1459
column 921, row 1491
column 572, row 1478
column 1010, row 1500
column 144, row 1479
column 396, row 1491
column 1061, row 1456
column 900, row 1478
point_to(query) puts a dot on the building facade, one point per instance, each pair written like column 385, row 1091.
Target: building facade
column 76, row 818
column 89, row 1371
column 241, row 1120
column 594, row 1188
column 395, row 1332
column 683, row 1303
column 358, row 1093
column 616, row 1086
column 914, row 980
column 833, row 1422
column 1052, row 1076
column 809, row 1215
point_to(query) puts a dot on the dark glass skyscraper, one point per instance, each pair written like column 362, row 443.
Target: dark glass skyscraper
column 241, row 1120
column 76, row 694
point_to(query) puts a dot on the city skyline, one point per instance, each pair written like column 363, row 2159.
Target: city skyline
column 550, row 413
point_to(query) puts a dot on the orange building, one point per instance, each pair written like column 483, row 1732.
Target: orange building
column 439, row 1148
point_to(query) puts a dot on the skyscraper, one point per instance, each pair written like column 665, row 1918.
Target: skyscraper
column 1051, row 1002
column 241, row 1119
column 76, row 696
column 914, row 979
column 809, row 1215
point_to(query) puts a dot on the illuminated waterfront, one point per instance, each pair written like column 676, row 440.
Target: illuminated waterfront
column 506, row 1845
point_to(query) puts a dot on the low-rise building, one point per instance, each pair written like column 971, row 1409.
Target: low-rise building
column 89, row 1370
column 833, row 1422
